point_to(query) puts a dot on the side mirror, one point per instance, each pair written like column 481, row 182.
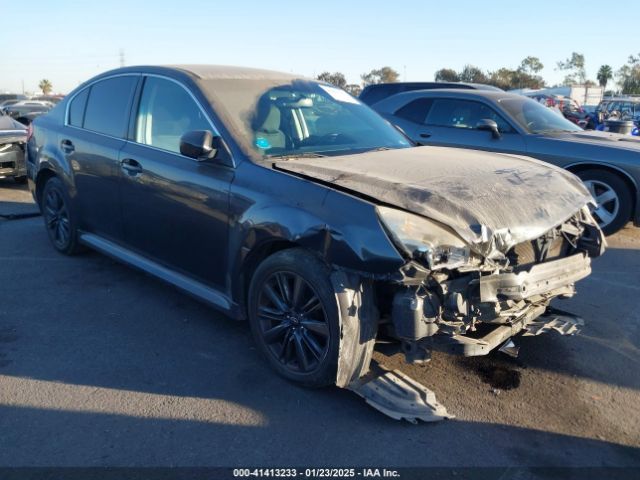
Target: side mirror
column 199, row 144
column 489, row 125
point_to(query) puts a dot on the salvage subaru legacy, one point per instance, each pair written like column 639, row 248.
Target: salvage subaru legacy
column 287, row 202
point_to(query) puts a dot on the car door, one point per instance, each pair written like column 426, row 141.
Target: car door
column 174, row 208
column 91, row 140
column 452, row 122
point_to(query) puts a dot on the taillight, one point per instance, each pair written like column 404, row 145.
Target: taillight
column 29, row 132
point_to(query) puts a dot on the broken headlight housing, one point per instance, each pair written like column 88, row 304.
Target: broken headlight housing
column 426, row 240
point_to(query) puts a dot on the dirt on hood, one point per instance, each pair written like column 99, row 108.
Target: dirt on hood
column 491, row 200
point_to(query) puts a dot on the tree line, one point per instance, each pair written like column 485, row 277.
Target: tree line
column 525, row 75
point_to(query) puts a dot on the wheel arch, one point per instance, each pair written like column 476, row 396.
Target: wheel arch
column 250, row 264
column 41, row 179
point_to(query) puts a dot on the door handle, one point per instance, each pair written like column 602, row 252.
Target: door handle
column 67, row 146
column 131, row 166
column 425, row 135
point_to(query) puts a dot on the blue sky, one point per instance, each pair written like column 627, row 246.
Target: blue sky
column 70, row 41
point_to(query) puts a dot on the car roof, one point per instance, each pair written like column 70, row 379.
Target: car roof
column 427, row 85
column 448, row 92
column 221, row 72
column 392, row 103
column 379, row 91
column 622, row 99
column 204, row 72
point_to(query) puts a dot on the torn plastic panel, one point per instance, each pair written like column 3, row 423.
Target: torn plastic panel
column 399, row 396
column 358, row 320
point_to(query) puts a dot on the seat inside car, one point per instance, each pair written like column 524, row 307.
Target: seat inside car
column 267, row 127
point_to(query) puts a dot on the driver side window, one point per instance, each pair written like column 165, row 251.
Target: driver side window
column 166, row 113
column 464, row 114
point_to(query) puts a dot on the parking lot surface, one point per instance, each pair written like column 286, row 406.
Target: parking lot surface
column 101, row 365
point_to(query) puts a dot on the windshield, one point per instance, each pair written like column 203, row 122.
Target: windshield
column 536, row 118
column 300, row 117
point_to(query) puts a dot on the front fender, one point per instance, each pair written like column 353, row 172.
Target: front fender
column 348, row 237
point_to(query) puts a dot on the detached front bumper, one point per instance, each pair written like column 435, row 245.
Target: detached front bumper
column 543, row 278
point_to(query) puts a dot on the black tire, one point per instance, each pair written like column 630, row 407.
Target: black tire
column 59, row 219
column 280, row 333
column 20, row 180
column 623, row 193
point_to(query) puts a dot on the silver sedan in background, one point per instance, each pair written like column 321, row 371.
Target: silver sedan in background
column 608, row 163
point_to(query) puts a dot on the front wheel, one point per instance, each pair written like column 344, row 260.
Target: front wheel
column 294, row 318
column 613, row 198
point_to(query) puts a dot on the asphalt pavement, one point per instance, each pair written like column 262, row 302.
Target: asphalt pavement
column 101, row 365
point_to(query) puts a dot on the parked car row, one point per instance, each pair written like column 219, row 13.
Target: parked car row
column 620, row 109
column 24, row 109
column 289, row 203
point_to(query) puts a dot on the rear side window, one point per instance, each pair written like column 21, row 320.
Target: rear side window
column 108, row 105
column 76, row 108
column 416, row 110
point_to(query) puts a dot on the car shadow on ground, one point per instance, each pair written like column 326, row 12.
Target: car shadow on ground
column 59, row 437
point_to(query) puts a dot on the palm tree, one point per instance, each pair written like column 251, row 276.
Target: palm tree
column 45, row 86
column 604, row 75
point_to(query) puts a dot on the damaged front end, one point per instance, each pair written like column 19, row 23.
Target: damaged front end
column 469, row 298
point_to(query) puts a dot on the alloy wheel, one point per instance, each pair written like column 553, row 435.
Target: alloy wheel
column 293, row 322
column 608, row 203
column 57, row 218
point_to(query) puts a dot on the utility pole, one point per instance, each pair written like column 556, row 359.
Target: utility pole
column 122, row 57
column 405, row 73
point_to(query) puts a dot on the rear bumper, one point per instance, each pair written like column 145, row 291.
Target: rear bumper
column 540, row 279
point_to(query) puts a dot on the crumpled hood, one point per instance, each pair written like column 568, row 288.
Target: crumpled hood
column 493, row 201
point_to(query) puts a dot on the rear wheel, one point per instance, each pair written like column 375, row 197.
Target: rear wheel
column 294, row 317
column 58, row 217
column 20, row 180
column 613, row 198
